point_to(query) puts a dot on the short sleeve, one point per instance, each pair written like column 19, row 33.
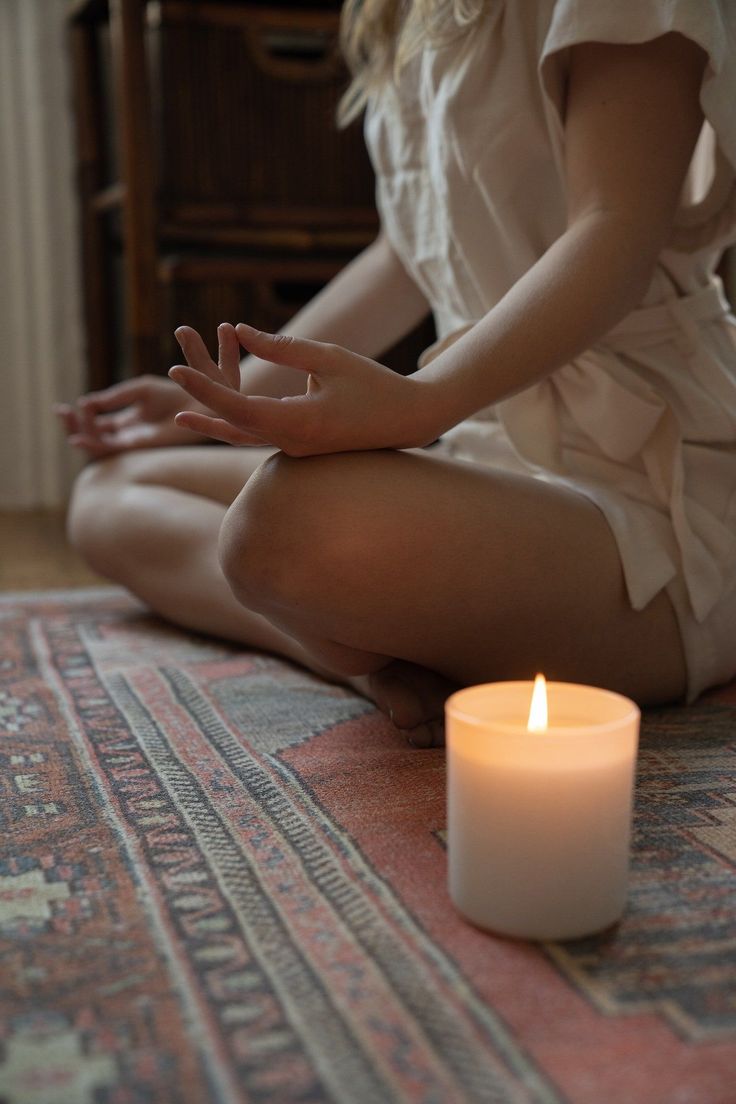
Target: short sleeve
column 707, row 216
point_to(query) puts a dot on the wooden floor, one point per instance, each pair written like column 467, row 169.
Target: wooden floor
column 35, row 555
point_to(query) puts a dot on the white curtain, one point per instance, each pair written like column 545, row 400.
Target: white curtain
column 41, row 348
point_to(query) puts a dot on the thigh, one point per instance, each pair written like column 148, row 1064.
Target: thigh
column 475, row 573
column 215, row 472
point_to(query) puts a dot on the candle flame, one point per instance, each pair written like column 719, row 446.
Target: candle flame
column 538, row 711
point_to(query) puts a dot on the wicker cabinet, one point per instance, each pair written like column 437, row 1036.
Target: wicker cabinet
column 213, row 182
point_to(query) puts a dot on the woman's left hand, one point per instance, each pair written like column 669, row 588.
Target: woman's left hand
column 351, row 402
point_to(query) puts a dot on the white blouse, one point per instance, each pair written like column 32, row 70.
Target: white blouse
column 468, row 152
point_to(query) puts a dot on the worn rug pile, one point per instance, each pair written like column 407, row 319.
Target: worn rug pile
column 223, row 880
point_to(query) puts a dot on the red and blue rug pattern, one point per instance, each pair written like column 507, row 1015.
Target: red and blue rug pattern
column 223, row 880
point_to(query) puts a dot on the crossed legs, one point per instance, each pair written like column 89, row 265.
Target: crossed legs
column 150, row 519
column 362, row 566
column 474, row 574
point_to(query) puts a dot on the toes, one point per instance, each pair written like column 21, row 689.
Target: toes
column 412, row 697
column 400, row 701
column 429, row 735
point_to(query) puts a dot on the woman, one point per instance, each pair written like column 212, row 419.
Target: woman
column 577, row 514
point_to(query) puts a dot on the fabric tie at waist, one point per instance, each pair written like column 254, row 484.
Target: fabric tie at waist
column 649, row 325
column 608, row 398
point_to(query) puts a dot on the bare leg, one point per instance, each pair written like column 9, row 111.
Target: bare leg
column 384, row 557
column 150, row 520
column 472, row 574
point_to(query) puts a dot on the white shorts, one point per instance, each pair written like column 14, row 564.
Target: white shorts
column 646, row 544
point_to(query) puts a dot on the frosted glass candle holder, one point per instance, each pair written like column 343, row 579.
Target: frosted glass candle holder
column 539, row 823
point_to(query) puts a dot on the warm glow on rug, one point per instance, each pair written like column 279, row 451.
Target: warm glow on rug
column 538, row 711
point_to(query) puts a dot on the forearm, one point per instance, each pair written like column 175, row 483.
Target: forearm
column 369, row 306
column 583, row 285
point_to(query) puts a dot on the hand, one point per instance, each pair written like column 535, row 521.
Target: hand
column 351, row 402
column 137, row 413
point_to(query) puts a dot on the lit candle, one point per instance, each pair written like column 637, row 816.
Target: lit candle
column 539, row 811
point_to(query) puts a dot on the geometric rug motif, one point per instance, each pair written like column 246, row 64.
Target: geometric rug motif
column 224, row 880
column 680, row 955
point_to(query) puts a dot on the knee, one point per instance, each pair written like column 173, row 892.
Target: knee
column 255, row 544
column 285, row 540
column 96, row 519
column 90, row 504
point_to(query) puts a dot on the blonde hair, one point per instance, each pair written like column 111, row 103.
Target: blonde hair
column 379, row 37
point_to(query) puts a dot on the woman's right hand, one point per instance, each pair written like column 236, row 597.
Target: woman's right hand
column 137, row 413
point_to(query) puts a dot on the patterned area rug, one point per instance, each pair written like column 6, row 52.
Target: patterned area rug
column 222, row 880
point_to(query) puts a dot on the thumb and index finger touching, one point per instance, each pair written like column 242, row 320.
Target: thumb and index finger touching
column 294, row 352
column 286, row 349
column 280, row 349
column 111, row 398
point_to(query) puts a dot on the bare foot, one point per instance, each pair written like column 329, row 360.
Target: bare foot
column 412, row 696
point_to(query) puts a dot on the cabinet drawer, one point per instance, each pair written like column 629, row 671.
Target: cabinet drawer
column 245, row 101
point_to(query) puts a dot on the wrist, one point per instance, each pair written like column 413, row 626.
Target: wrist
column 429, row 411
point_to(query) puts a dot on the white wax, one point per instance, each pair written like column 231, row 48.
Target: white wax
column 539, row 823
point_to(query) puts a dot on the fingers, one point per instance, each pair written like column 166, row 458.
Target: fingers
column 229, row 354
column 79, row 425
column 119, row 420
column 95, row 447
column 238, row 409
column 195, row 353
column 217, row 428
column 113, row 397
column 314, row 357
column 87, row 422
column 95, row 435
column 292, row 352
column 212, row 393
column 68, row 417
column 266, row 419
column 233, row 408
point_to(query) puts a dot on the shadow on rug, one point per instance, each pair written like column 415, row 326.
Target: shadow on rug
column 222, row 880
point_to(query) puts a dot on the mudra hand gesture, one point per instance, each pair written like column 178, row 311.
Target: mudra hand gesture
column 134, row 414
column 350, row 402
